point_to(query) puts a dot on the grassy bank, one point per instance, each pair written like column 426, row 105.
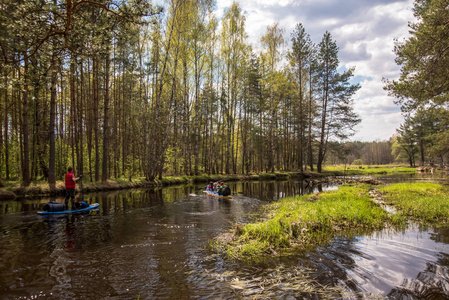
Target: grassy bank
column 42, row 189
column 301, row 222
column 426, row 202
column 310, row 220
column 365, row 170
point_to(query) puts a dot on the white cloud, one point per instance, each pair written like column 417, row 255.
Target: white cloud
column 380, row 116
column 256, row 24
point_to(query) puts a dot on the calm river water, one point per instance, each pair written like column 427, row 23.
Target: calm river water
column 153, row 244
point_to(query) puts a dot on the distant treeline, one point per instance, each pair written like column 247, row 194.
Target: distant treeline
column 126, row 88
column 383, row 153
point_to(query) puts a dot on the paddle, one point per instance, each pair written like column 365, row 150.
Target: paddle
column 200, row 188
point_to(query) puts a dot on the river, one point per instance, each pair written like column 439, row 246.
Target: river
column 153, row 244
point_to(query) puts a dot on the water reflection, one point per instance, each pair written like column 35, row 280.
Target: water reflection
column 153, row 243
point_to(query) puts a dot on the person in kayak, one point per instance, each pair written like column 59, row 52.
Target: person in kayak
column 210, row 187
column 218, row 189
column 223, row 190
column 70, row 184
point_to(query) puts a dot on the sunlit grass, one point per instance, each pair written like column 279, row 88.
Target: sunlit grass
column 309, row 220
column 428, row 202
column 369, row 169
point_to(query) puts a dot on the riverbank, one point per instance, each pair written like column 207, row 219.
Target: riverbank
column 299, row 223
column 365, row 170
column 13, row 190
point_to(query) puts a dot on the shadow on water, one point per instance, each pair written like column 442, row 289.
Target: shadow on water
column 152, row 244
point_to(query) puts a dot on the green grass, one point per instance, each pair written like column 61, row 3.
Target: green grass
column 307, row 221
column 300, row 222
column 369, row 169
column 426, row 202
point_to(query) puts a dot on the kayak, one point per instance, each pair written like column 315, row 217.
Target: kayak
column 91, row 206
column 215, row 194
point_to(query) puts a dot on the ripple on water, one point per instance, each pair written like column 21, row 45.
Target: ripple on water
column 408, row 262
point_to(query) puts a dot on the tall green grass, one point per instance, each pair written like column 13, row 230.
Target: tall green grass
column 426, row 202
column 300, row 222
column 310, row 220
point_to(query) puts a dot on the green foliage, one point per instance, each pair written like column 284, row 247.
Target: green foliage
column 423, row 133
column 407, row 143
column 357, row 162
column 422, row 58
column 422, row 89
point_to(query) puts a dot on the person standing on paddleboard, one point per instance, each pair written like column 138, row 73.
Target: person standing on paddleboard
column 70, row 184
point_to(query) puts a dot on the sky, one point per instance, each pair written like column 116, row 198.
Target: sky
column 365, row 32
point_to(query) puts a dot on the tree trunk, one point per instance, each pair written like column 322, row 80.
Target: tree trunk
column 80, row 160
column 106, row 118
column 6, row 125
column 25, row 131
column 197, row 112
column 310, row 120
column 95, row 70
column 322, row 147
column 51, row 125
column 301, row 121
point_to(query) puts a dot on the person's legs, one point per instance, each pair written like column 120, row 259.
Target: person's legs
column 70, row 193
column 72, row 199
column 67, row 196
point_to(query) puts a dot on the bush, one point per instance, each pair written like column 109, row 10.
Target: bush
column 357, row 162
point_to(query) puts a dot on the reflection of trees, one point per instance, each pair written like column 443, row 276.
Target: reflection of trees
column 440, row 235
column 273, row 190
column 432, row 283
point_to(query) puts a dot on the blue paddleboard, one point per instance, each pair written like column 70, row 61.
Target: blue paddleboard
column 91, row 206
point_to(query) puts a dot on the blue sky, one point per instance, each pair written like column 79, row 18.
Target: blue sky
column 365, row 32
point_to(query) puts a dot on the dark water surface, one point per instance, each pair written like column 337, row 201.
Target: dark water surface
column 152, row 244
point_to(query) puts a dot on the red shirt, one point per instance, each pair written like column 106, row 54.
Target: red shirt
column 69, row 181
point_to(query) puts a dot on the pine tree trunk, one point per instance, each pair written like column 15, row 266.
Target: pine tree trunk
column 25, row 131
column 106, row 119
column 310, row 121
column 95, row 70
column 301, row 121
column 80, row 160
column 6, row 125
column 51, row 127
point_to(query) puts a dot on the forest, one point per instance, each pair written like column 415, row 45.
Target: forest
column 131, row 88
